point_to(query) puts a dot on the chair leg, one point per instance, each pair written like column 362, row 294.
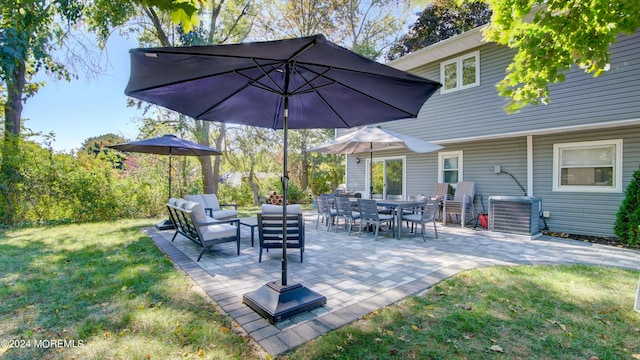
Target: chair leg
column 377, row 228
column 424, row 233
column 434, row 229
column 174, row 236
column 201, row 252
column 260, row 256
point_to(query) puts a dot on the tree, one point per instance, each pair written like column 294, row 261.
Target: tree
column 30, row 32
column 627, row 227
column 362, row 26
column 552, row 36
column 440, row 20
column 222, row 21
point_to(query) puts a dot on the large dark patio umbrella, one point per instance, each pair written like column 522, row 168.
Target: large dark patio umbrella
column 295, row 83
column 374, row 138
column 166, row 145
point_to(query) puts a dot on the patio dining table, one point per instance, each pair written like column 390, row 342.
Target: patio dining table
column 397, row 206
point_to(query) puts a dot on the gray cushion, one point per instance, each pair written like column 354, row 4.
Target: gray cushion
column 197, row 210
column 211, row 201
column 277, row 209
column 224, row 214
column 218, row 231
column 196, row 198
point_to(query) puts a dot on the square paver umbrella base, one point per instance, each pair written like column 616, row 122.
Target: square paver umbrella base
column 276, row 302
column 165, row 225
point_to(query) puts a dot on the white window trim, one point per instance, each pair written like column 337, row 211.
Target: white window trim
column 445, row 154
column 617, row 168
column 458, row 61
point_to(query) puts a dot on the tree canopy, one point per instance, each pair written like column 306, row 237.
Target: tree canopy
column 440, row 20
column 550, row 37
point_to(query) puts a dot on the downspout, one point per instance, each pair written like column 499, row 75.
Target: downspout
column 529, row 165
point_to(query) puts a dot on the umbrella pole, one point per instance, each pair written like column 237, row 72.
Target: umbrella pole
column 285, row 186
column 370, row 170
column 169, row 173
column 274, row 301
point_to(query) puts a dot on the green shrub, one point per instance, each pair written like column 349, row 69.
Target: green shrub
column 627, row 227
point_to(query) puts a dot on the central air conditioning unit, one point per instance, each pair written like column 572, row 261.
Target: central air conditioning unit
column 515, row 214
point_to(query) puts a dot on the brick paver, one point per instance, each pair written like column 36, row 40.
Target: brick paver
column 359, row 275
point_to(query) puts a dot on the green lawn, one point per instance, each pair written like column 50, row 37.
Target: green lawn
column 107, row 285
column 106, row 288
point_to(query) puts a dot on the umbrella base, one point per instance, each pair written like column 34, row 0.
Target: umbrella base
column 276, row 302
column 165, row 225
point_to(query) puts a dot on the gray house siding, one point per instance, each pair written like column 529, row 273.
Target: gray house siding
column 473, row 121
column 579, row 212
column 581, row 99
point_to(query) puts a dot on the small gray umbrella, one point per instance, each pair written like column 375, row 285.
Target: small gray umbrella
column 373, row 138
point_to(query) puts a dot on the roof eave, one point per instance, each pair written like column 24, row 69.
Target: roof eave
column 440, row 50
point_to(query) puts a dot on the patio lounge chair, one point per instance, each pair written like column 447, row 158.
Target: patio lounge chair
column 461, row 204
column 270, row 228
column 369, row 215
column 424, row 216
column 439, row 193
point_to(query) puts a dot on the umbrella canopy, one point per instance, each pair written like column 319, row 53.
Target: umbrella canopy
column 166, row 145
column 373, row 138
column 294, row 83
column 327, row 86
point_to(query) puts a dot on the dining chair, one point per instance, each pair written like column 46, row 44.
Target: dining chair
column 270, row 228
column 346, row 212
column 369, row 215
column 425, row 215
column 325, row 212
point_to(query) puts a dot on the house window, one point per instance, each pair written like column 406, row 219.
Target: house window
column 591, row 166
column 460, row 73
column 450, row 167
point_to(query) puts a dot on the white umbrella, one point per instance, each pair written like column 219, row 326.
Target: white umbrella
column 374, row 138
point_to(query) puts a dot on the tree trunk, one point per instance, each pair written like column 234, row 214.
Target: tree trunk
column 216, row 162
column 252, row 183
column 13, row 106
column 304, row 158
column 10, row 165
column 202, row 134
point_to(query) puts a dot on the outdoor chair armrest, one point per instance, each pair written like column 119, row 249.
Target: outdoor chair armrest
column 229, row 221
column 235, row 206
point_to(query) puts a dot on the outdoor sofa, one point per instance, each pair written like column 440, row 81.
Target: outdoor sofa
column 212, row 206
column 190, row 220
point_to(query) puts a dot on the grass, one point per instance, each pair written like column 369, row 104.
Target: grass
column 524, row 312
column 107, row 286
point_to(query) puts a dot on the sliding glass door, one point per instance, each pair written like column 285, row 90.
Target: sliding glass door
column 387, row 176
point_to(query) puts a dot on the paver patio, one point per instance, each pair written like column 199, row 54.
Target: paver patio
column 359, row 275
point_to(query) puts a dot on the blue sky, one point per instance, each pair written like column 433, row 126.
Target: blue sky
column 81, row 109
